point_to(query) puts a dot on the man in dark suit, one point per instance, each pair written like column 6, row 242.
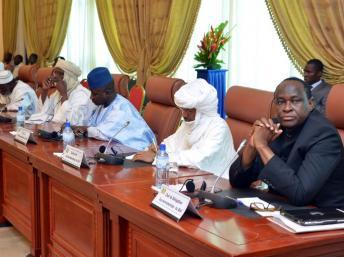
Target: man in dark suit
column 312, row 75
column 300, row 157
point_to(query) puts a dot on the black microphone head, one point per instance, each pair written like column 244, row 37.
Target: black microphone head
column 190, row 186
column 102, row 148
column 54, row 134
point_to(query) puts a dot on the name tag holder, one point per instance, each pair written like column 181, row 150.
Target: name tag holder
column 74, row 157
column 24, row 136
column 174, row 204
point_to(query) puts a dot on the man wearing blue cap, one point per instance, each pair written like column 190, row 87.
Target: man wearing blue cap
column 114, row 116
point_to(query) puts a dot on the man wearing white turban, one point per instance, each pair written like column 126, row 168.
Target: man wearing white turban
column 63, row 98
column 15, row 93
column 203, row 141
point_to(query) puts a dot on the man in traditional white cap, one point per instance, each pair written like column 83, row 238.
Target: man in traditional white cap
column 203, row 141
column 15, row 93
column 115, row 117
column 63, row 98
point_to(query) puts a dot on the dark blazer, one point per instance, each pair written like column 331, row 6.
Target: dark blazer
column 312, row 173
column 320, row 94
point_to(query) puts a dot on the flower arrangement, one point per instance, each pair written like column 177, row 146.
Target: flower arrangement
column 211, row 45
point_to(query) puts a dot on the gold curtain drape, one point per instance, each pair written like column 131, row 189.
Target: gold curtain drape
column 312, row 29
column 10, row 9
column 45, row 27
column 147, row 36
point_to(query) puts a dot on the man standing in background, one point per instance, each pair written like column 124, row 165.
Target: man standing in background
column 320, row 89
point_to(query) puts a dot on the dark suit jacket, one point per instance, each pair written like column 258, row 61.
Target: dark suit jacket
column 320, row 94
column 312, row 173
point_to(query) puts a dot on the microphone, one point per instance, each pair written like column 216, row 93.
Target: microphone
column 236, row 155
column 218, row 201
column 102, row 148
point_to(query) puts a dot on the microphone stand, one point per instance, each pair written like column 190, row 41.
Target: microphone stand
column 236, row 155
column 124, row 126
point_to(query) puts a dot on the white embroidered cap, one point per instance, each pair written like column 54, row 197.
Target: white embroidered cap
column 5, row 77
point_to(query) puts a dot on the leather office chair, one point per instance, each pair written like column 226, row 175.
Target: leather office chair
column 121, row 84
column 137, row 96
column 27, row 74
column 41, row 75
column 244, row 106
column 161, row 113
column 335, row 107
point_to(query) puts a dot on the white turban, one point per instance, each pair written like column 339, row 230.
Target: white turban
column 71, row 74
column 198, row 94
column 5, row 77
column 2, row 67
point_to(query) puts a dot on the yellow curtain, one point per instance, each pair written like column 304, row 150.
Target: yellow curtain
column 312, row 29
column 10, row 9
column 147, row 36
column 45, row 27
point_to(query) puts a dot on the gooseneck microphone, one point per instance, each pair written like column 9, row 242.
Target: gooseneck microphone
column 103, row 148
column 236, row 155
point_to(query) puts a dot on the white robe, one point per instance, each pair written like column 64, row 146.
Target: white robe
column 22, row 95
column 212, row 150
column 77, row 109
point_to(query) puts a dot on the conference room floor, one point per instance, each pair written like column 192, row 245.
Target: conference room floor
column 12, row 243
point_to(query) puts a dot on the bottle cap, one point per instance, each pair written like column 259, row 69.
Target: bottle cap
column 20, row 108
column 162, row 147
column 67, row 125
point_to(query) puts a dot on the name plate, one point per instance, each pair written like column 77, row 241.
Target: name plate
column 74, row 157
column 23, row 135
column 172, row 203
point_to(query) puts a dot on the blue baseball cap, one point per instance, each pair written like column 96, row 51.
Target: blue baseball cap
column 99, row 77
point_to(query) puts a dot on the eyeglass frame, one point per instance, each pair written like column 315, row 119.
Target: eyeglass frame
column 254, row 206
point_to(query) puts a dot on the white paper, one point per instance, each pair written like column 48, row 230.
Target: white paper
column 58, row 154
column 247, row 202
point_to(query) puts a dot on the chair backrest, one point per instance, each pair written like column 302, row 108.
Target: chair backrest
column 161, row 113
column 137, row 96
column 244, row 106
column 41, row 75
column 121, row 84
column 335, row 107
column 84, row 83
column 27, row 74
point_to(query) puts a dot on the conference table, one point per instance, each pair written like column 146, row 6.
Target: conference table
column 106, row 210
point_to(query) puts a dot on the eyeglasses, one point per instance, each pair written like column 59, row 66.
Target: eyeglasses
column 258, row 206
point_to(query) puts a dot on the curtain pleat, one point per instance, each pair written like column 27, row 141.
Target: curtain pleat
column 10, row 9
column 312, row 29
column 147, row 36
column 45, row 33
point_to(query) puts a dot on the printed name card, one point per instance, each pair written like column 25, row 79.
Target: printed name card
column 23, row 135
column 74, row 157
column 172, row 203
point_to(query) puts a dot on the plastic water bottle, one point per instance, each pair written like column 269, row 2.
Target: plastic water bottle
column 68, row 135
column 162, row 172
column 20, row 117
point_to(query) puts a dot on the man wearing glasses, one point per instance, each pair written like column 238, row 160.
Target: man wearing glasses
column 300, row 156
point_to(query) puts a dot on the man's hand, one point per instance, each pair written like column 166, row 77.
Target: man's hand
column 145, row 156
column 264, row 131
column 61, row 86
column 80, row 131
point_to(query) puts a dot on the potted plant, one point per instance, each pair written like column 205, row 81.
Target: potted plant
column 207, row 57
column 210, row 46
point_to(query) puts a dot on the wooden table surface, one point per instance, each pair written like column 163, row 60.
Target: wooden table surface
column 125, row 191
